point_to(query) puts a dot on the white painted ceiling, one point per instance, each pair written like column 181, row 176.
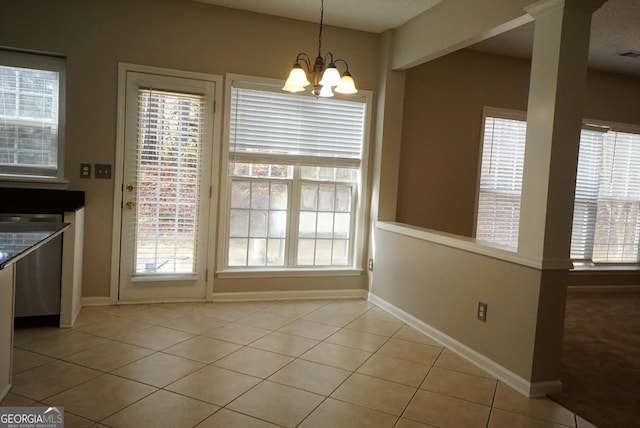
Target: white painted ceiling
column 615, row 29
column 374, row 16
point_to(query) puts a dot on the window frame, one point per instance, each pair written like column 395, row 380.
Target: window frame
column 605, row 127
column 45, row 62
column 501, row 114
column 587, row 124
column 360, row 202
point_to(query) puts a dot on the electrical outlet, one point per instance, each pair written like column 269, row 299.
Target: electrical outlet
column 85, row 170
column 103, row 171
column 482, row 311
column 371, row 264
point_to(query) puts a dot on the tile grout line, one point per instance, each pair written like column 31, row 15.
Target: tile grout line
column 267, row 309
column 418, row 389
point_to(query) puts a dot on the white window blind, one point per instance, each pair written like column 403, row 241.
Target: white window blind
column 295, row 129
column 501, row 181
column 170, row 132
column 617, row 236
column 586, row 195
column 606, row 220
column 294, row 175
column 29, row 121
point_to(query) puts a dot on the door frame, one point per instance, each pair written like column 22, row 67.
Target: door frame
column 118, row 171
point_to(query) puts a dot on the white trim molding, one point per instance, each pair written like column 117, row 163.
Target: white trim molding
column 287, row 273
column 523, row 386
column 471, row 245
column 244, row 297
column 290, row 295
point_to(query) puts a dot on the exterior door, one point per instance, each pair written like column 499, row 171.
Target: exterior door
column 168, row 141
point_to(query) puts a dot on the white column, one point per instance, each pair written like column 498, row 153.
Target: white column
column 554, row 117
column 556, row 98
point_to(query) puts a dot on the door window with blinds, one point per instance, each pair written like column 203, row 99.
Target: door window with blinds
column 166, row 198
column 295, row 173
column 168, row 157
column 31, row 115
column 606, row 220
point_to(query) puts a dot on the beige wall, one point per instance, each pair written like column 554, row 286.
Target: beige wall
column 441, row 134
column 441, row 286
column 96, row 35
column 442, row 126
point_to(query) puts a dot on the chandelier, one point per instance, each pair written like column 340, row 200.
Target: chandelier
column 325, row 79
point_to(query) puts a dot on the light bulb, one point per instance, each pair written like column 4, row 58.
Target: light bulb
column 331, row 76
column 326, row 92
column 297, row 80
column 347, row 85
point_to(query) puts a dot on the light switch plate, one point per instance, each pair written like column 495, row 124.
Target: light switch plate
column 85, row 170
column 103, row 171
column 482, row 311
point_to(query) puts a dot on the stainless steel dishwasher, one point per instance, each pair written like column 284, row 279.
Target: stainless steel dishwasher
column 38, row 277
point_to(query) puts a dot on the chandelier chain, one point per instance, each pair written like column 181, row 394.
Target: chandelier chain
column 320, row 31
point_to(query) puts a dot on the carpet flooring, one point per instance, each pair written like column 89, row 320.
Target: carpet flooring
column 601, row 358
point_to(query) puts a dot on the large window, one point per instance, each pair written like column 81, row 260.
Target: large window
column 606, row 220
column 31, row 115
column 294, row 184
column 501, row 180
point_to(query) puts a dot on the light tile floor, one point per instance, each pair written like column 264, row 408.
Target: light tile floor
column 341, row 363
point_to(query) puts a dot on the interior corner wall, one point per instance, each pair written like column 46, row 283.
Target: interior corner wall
column 441, row 287
column 441, row 133
column 96, row 35
column 440, row 152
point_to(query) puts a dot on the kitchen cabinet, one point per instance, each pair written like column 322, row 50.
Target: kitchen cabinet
column 71, row 282
column 69, row 203
column 6, row 328
column 16, row 241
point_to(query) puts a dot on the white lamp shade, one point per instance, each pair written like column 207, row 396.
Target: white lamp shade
column 326, row 92
column 292, row 88
column 347, row 85
column 331, row 76
column 297, row 80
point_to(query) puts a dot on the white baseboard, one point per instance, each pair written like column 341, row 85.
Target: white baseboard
column 244, row 296
column 290, row 295
column 523, row 386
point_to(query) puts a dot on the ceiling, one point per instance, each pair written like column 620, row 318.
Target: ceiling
column 615, row 28
column 374, row 16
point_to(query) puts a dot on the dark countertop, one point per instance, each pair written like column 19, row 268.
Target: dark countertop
column 17, row 239
column 39, row 201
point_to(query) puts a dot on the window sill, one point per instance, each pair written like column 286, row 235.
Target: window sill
column 287, row 273
column 608, row 269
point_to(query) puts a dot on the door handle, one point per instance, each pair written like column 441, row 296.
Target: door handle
column 130, row 205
